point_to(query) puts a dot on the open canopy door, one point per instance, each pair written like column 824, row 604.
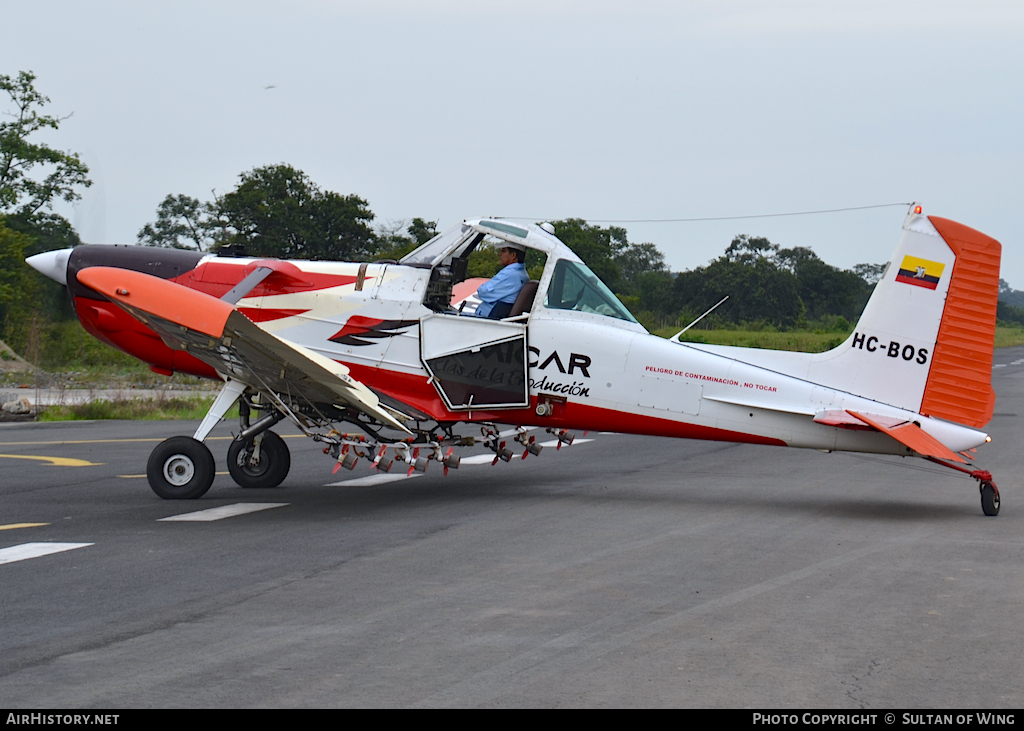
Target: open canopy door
column 475, row 362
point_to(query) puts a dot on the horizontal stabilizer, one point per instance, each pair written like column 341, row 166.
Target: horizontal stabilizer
column 910, row 434
column 845, row 420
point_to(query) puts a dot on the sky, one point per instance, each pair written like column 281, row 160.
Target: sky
column 613, row 112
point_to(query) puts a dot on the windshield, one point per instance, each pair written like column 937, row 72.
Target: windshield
column 574, row 287
column 432, row 251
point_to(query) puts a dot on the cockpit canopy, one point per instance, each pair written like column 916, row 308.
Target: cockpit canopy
column 567, row 283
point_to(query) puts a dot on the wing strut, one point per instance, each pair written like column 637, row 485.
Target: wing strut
column 227, row 396
column 285, row 271
column 252, row 280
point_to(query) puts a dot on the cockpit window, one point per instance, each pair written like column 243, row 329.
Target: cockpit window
column 521, row 233
column 574, row 287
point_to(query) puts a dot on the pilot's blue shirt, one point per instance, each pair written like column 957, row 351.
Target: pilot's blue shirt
column 502, row 287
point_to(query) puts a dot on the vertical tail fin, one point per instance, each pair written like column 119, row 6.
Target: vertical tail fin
column 925, row 340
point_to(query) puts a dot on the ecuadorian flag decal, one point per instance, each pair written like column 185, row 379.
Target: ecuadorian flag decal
column 920, row 272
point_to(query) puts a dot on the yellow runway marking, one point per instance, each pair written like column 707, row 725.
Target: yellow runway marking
column 12, row 526
column 56, row 461
column 120, row 441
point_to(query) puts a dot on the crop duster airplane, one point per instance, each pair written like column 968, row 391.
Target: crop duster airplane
column 384, row 348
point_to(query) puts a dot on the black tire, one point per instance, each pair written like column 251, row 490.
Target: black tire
column 180, row 468
column 989, row 500
column 274, row 462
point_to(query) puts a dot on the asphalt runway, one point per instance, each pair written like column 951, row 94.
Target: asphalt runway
column 621, row 571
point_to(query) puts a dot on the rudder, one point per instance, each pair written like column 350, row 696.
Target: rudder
column 959, row 386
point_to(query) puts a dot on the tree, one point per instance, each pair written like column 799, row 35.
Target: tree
column 608, row 253
column 746, row 249
column 870, row 273
column 1009, row 295
column 278, row 211
column 596, row 246
column 181, row 223
column 653, row 290
column 759, row 288
column 12, row 254
column 42, row 232
column 274, row 211
column 792, row 259
column 395, row 239
column 637, row 260
column 32, row 176
column 25, row 295
column 826, row 290
column 422, row 231
column 64, row 172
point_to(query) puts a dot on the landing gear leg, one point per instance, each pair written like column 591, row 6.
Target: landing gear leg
column 258, row 457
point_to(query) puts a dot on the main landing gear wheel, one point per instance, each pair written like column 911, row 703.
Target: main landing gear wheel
column 989, row 499
column 270, row 466
column 180, row 468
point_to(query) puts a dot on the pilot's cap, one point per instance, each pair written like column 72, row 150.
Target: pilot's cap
column 511, row 245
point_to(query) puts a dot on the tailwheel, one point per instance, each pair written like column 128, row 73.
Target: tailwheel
column 989, row 498
column 259, row 461
column 989, row 491
column 180, row 468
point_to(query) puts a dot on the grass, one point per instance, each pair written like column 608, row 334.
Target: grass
column 806, row 342
column 134, row 374
column 803, row 342
column 1009, row 336
column 173, row 407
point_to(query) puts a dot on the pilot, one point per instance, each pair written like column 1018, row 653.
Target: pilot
column 498, row 294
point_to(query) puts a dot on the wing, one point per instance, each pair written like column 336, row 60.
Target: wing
column 216, row 333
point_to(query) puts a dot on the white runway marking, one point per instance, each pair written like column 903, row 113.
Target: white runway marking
column 35, row 550
column 487, row 457
column 378, row 479
column 477, row 459
column 999, row 365
column 225, row 511
column 554, row 443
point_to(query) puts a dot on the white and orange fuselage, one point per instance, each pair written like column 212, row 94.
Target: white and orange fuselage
column 914, row 377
